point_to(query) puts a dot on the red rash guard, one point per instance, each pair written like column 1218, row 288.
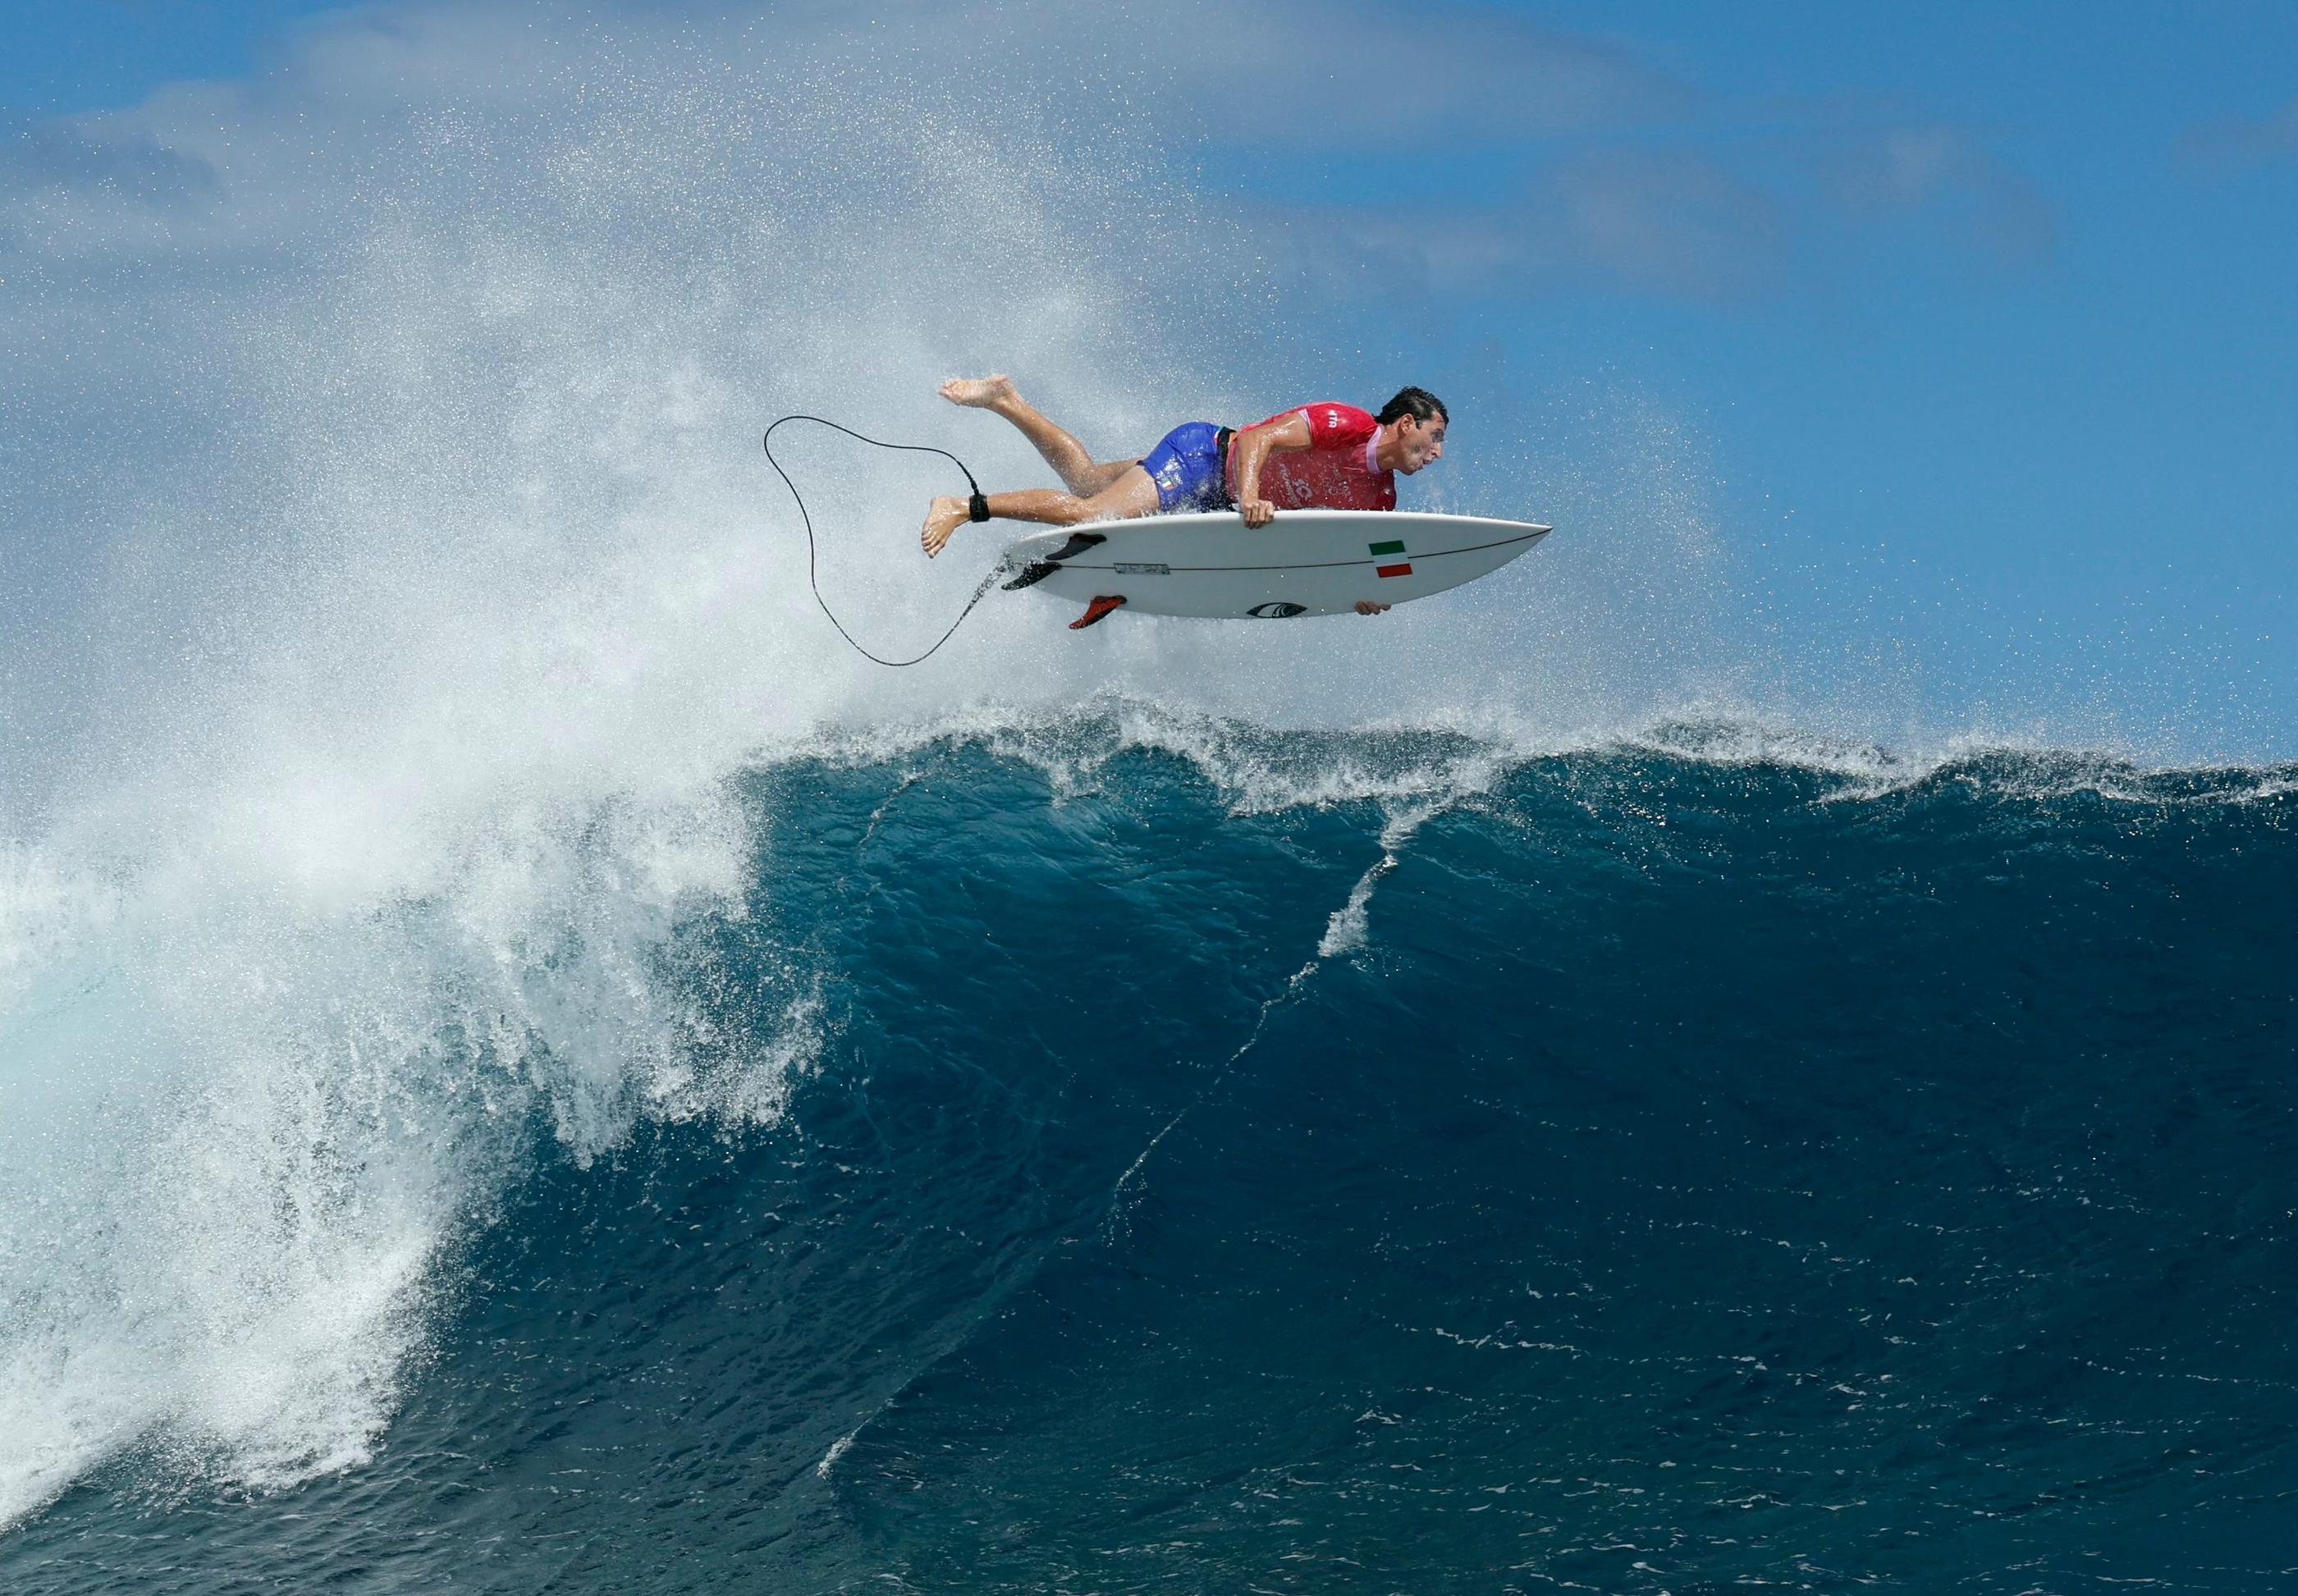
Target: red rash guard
column 1335, row 472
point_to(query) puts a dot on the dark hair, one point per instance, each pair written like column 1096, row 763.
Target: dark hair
column 1418, row 403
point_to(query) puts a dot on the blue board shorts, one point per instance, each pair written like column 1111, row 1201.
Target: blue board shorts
column 1190, row 466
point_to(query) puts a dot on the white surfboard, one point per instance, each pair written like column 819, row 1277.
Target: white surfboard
column 1306, row 562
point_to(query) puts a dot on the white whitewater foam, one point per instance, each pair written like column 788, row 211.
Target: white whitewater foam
column 242, row 1118
column 1347, row 930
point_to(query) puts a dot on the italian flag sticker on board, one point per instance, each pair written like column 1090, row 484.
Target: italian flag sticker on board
column 1394, row 546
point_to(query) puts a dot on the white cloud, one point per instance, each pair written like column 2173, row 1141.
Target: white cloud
column 1672, row 220
column 2237, row 143
column 1347, row 75
column 61, row 160
column 1945, row 172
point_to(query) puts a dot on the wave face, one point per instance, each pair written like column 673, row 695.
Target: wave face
column 1134, row 1151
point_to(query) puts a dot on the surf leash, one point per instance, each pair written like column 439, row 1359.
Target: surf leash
column 977, row 509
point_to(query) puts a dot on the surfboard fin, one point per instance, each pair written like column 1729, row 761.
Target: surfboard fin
column 1031, row 574
column 1100, row 609
column 1080, row 541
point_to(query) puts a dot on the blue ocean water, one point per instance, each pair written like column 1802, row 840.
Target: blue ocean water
column 1122, row 1153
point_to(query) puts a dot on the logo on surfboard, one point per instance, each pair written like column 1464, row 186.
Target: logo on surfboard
column 1275, row 610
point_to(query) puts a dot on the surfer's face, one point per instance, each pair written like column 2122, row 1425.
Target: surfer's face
column 1419, row 443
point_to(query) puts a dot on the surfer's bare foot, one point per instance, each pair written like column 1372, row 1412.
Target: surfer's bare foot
column 1366, row 607
column 941, row 520
column 980, row 392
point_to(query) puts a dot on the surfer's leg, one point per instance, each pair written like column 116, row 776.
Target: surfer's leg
column 1131, row 496
column 1101, row 476
column 1084, row 476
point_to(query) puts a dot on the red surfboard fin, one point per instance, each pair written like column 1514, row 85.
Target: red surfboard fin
column 1098, row 610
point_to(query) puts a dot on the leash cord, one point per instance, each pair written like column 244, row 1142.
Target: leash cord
column 978, row 508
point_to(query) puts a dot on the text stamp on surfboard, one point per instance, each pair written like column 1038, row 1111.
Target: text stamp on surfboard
column 1306, row 562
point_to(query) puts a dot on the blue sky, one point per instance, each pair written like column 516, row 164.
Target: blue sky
column 1981, row 316
column 2039, row 397
column 104, row 55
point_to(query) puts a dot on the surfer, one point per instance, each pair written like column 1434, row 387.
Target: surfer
column 1329, row 456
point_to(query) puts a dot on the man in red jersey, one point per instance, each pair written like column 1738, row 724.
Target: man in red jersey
column 1328, row 456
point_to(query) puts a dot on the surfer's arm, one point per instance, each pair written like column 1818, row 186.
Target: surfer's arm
column 1255, row 445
